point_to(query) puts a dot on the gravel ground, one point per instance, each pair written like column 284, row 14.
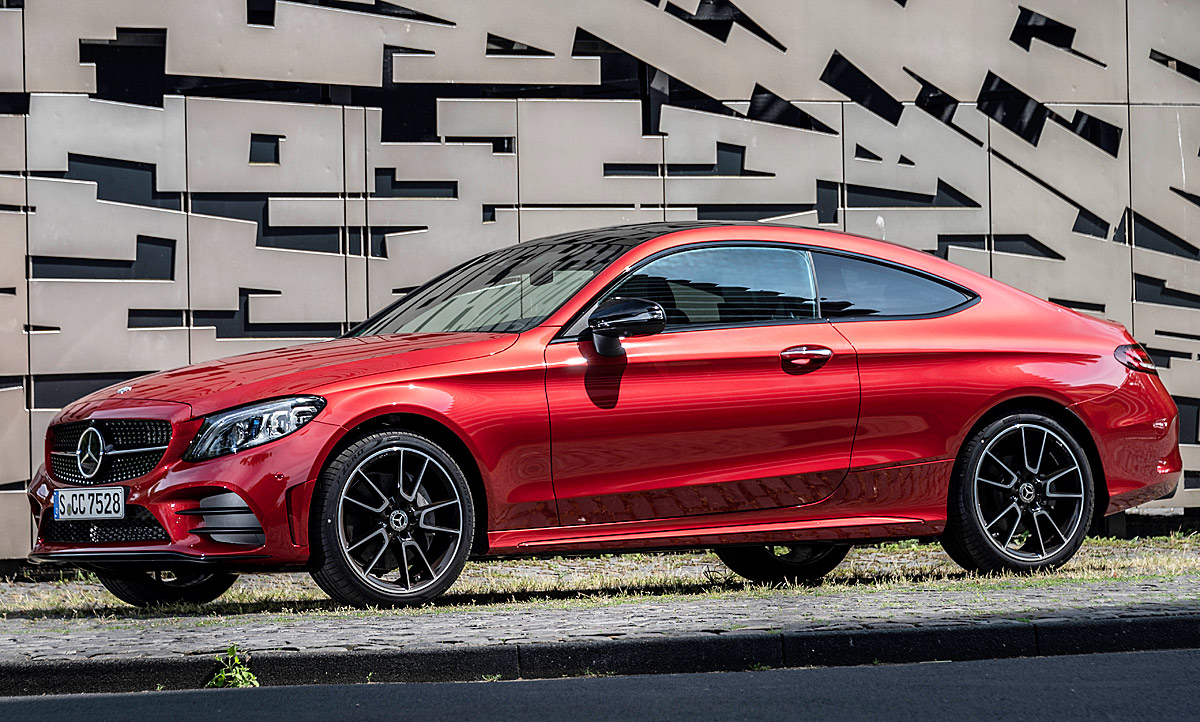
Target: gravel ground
column 603, row 598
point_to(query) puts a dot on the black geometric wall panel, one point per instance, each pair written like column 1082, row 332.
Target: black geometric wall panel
column 182, row 180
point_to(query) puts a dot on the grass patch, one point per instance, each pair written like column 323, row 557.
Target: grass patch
column 616, row 579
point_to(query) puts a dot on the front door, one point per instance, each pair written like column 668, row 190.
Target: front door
column 746, row 401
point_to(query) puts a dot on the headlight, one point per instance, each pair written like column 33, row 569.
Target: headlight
column 248, row 426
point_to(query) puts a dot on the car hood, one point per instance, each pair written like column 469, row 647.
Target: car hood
column 221, row 384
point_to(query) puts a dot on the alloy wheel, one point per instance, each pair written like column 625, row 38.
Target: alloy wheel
column 1029, row 492
column 399, row 520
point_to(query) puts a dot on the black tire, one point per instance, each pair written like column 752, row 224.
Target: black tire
column 783, row 563
column 1038, row 518
column 150, row 589
column 424, row 562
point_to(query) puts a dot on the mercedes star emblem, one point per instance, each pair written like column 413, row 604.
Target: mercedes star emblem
column 89, row 452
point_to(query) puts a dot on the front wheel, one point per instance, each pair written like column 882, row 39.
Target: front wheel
column 393, row 520
column 779, row 563
column 1021, row 498
column 149, row 589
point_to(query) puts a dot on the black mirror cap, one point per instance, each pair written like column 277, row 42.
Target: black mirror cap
column 619, row 318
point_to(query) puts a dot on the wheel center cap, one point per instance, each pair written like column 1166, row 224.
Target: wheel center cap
column 398, row 520
column 1026, row 493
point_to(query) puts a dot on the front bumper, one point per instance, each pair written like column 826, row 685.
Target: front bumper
column 272, row 485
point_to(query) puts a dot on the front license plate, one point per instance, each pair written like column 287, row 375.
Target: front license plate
column 103, row 503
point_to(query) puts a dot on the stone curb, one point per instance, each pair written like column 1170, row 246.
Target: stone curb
column 697, row 652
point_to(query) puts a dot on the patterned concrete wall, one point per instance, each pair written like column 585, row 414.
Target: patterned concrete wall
column 187, row 179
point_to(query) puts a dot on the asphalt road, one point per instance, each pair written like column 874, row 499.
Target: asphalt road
column 1137, row 685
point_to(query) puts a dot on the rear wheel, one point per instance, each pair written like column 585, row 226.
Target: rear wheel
column 394, row 517
column 1022, row 497
column 778, row 563
column 148, row 589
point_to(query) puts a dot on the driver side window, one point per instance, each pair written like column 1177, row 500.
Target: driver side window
column 725, row 286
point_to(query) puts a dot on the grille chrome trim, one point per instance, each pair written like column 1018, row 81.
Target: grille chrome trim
column 115, row 452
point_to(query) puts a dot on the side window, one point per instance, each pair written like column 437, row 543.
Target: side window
column 854, row 288
column 727, row 285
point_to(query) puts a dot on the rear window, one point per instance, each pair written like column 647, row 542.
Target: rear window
column 856, row 288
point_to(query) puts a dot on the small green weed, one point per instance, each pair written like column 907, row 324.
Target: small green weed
column 234, row 671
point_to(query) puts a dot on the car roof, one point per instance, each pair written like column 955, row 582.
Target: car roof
column 634, row 234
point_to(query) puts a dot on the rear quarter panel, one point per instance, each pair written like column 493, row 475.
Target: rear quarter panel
column 926, row 382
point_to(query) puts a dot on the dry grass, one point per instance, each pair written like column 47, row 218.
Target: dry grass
column 570, row 582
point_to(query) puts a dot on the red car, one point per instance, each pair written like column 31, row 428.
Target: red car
column 776, row 393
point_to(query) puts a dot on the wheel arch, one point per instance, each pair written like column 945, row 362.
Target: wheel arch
column 442, row 435
column 1064, row 416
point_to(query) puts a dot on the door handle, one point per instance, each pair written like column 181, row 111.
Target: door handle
column 804, row 359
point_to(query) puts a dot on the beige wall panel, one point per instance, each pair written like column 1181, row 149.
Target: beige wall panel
column 461, row 56
column 1181, row 274
column 354, row 146
column 726, row 70
column 17, row 523
column 1094, row 271
column 919, row 228
column 14, row 351
column 92, row 315
column 70, row 221
column 62, row 124
column 795, row 159
column 1169, row 27
column 12, row 61
column 93, row 318
column 482, row 176
column 467, row 117
column 1155, row 324
column 12, row 142
column 311, row 286
column 415, row 257
column 539, row 222
column 12, row 190
column 939, row 155
column 1166, row 148
column 218, row 137
column 39, row 422
column 950, row 43
column 564, row 145
column 356, row 212
column 306, row 211
column 211, row 38
column 455, row 227
column 356, row 289
column 1068, row 163
column 14, row 436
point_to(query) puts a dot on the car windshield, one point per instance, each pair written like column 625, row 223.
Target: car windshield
column 506, row 291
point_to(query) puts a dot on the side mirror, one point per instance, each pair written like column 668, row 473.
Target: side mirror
column 619, row 318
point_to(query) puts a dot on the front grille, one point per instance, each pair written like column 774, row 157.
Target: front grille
column 139, row 525
column 134, row 448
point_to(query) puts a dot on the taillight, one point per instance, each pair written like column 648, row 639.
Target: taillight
column 1136, row 358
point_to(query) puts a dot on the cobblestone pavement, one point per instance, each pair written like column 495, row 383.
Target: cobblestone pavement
column 299, row 621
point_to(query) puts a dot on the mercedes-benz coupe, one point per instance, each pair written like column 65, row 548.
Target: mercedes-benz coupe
column 774, row 393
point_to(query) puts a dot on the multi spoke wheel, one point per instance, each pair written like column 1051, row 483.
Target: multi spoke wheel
column 776, row 563
column 1024, row 497
column 396, row 523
